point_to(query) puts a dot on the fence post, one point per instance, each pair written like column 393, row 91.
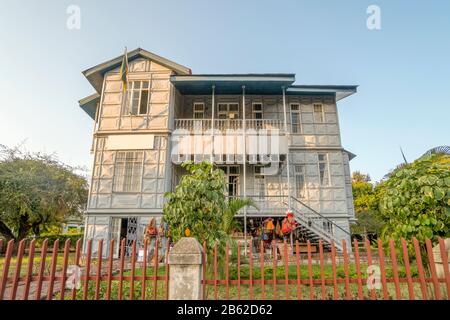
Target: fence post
column 186, row 270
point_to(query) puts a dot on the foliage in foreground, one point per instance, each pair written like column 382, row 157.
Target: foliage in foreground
column 37, row 192
column 366, row 197
column 416, row 200
column 200, row 205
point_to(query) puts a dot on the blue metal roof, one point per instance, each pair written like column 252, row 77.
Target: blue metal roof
column 201, row 84
column 339, row 91
column 232, row 83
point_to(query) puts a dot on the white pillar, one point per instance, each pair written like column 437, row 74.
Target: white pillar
column 287, row 155
column 244, row 153
column 212, row 122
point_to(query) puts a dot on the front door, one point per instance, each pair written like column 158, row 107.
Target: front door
column 116, row 224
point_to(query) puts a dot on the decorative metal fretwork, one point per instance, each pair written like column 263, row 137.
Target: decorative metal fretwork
column 132, row 233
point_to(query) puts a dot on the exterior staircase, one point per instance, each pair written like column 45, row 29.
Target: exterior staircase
column 318, row 227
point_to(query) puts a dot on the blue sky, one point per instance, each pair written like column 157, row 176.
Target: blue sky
column 403, row 70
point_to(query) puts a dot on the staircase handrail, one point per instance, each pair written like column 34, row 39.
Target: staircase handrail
column 319, row 214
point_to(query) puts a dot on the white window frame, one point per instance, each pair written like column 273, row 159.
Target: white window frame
column 202, row 111
column 322, row 114
column 227, row 172
column 137, row 167
column 254, row 112
column 227, row 112
column 327, row 167
column 298, row 112
column 300, row 191
column 258, row 176
column 130, row 95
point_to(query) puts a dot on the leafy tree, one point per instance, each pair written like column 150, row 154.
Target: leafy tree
column 416, row 200
column 199, row 204
column 364, row 193
column 229, row 221
column 357, row 176
column 365, row 200
column 37, row 192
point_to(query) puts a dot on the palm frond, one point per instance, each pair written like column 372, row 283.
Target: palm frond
column 233, row 207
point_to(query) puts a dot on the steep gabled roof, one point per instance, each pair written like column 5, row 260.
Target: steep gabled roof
column 187, row 83
column 95, row 74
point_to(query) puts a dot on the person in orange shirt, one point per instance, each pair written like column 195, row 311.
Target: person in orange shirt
column 288, row 225
column 150, row 234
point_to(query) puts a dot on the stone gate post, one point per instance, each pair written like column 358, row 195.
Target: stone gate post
column 185, row 270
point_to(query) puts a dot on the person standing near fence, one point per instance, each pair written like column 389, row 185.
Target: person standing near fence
column 150, row 235
column 287, row 226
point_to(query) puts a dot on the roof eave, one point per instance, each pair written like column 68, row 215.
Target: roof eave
column 350, row 155
column 290, row 77
column 232, row 83
column 89, row 104
column 340, row 92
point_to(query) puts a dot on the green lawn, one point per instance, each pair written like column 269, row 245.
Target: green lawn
column 244, row 275
column 269, row 293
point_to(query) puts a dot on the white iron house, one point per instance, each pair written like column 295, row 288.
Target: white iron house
column 135, row 163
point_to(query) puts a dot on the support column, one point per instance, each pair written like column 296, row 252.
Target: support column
column 244, row 153
column 212, row 121
column 287, row 155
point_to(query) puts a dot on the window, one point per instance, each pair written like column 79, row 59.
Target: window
column 299, row 175
column 128, row 171
column 137, row 98
column 232, row 179
column 257, row 111
column 259, row 183
column 199, row 110
column 318, row 113
column 323, row 169
column 228, row 110
column 295, row 118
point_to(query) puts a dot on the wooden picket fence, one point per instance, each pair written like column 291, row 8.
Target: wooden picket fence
column 307, row 284
column 100, row 278
column 304, row 272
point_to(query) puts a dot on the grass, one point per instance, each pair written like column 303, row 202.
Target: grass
column 242, row 292
column 316, row 274
column 36, row 263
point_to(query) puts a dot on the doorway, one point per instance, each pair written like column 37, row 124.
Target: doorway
column 123, row 228
column 232, row 174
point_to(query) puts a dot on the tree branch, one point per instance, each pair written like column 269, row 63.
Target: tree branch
column 6, row 232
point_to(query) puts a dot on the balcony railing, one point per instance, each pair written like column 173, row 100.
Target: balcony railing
column 225, row 124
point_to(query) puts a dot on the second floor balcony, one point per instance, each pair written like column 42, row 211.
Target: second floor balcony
column 202, row 125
